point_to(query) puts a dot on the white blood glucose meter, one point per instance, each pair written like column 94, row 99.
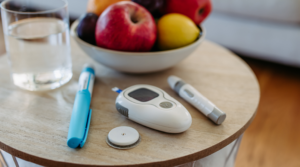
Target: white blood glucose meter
column 154, row 108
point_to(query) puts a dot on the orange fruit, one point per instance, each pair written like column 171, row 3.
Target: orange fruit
column 98, row 6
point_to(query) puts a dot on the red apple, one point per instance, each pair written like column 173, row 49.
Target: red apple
column 126, row 26
column 197, row 10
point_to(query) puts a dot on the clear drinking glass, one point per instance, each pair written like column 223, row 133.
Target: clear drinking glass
column 37, row 42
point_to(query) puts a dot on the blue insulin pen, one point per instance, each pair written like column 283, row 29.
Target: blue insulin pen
column 81, row 114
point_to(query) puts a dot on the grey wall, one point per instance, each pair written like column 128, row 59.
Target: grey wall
column 77, row 7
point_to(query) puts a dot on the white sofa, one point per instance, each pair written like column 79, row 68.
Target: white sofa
column 264, row 29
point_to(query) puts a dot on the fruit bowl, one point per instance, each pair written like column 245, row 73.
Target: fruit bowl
column 136, row 62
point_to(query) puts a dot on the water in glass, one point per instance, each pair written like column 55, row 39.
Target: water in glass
column 39, row 53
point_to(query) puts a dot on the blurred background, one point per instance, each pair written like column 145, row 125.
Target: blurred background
column 266, row 34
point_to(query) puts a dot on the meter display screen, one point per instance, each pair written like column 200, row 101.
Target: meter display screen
column 143, row 94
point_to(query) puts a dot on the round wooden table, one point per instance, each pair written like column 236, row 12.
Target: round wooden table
column 34, row 125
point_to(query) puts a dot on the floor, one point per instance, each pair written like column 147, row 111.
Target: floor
column 273, row 139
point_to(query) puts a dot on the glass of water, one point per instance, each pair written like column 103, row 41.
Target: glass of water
column 37, row 42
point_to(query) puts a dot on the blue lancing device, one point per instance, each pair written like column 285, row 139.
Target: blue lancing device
column 81, row 114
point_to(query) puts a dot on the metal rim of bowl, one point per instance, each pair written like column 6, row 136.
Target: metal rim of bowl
column 74, row 35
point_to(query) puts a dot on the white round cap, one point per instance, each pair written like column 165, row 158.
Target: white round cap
column 123, row 136
column 172, row 80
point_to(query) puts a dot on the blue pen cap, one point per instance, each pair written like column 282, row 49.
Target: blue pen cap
column 80, row 120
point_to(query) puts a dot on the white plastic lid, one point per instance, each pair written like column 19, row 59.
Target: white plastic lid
column 172, row 80
column 123, row 136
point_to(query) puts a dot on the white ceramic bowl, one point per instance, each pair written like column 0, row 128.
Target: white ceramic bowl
column 136, row 62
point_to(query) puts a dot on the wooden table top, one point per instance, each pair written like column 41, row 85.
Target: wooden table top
column 34, row 125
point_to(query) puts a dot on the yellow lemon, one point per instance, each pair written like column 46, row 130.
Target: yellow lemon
column 175, row 31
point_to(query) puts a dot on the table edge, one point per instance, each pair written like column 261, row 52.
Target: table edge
column 170, row 162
